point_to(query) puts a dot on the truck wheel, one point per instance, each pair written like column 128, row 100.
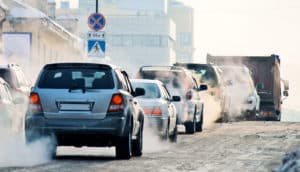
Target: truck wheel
column 137, row 145
column 123, row 148
column 199, row 125
column 190, row 127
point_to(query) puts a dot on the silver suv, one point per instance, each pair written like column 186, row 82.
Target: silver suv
column 86, row 104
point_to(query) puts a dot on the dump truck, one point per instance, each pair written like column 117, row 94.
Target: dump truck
column 265, row 71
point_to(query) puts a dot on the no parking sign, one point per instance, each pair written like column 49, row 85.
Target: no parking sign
column 96, row 21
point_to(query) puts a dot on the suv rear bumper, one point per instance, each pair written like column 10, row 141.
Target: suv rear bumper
column 77, row 132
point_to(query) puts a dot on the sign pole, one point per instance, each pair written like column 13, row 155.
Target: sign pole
column 97, row 3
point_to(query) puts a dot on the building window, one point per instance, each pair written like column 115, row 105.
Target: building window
column 140, row 40
column 65, row 4
column 116, row 40
column 185, row 38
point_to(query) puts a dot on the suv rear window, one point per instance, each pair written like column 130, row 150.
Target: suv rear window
column 4, row 73
column 77, row 77
column 177, row 79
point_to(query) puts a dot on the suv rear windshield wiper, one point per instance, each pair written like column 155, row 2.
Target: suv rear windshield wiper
column 76, row 87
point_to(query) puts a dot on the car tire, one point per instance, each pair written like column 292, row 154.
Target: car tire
column 278, row 116
column 173, row 136
column 252, row 115
column 124, row 146
column 199, row 125
column 137, row 145
column 190, row 127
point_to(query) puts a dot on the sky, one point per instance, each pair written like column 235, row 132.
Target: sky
column 251, row 27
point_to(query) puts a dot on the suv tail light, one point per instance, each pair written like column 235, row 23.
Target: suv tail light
column 116, row 103
column 189, row 95
column 35, row 103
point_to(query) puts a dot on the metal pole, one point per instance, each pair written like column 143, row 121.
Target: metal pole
column 96, row 6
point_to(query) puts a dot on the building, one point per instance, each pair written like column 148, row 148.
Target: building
column 50, row 42
column 183, row 17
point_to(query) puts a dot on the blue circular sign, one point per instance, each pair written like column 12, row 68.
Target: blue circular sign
column 96, row 22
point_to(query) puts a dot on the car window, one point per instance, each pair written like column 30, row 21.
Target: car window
column 66, row 78
column 4, row 73
column 165, row 93
column 127, row 82
column 151, row 89
column 122, row 83
column 174, row 79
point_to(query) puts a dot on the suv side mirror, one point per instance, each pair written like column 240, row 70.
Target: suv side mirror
column 285, row 93
column 139, row 92
column 202, row 87
column 176, row 99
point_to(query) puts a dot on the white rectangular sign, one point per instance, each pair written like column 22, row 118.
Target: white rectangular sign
column 96, row 35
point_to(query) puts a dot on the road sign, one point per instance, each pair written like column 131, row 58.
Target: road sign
column 96, row 48
column 96, row 21
column 96, row 35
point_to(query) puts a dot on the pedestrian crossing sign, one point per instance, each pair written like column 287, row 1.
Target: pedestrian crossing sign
column 96, row 48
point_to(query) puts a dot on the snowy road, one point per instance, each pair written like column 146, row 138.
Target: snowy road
column 247, row 146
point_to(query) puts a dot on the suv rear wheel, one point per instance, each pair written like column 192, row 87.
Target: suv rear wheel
column 137, row 145
column 123, row 148
column 199, row 125
column 190, row 127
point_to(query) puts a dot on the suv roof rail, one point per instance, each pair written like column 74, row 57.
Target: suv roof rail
column 12, row 65
column 161, row 67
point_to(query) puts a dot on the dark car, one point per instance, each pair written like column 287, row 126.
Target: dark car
column 86, row 104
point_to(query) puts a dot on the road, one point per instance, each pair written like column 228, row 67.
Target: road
column 247, row 146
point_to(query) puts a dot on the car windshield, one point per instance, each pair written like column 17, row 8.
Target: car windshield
column 72, row 78
column 151, row 89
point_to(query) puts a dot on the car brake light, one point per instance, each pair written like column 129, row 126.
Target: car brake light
column 155, row 112
column 147, row 111
column 116, row 103
column 35, row 103
column 189, row 95
column 266, row 113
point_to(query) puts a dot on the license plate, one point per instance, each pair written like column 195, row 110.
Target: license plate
column 75, row 107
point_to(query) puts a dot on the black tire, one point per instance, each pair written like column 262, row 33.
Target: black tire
column 173, row 136
column 190, row 127
column 166, row 133
column 278, row 116
column 137, row 145
column 124, row 146
column 252, row 115
column 199, row 125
